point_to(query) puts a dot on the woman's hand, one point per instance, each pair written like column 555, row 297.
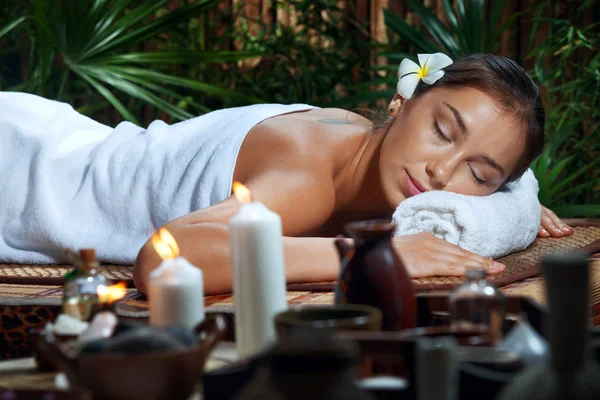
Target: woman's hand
column 426, row 255
column 551, row 225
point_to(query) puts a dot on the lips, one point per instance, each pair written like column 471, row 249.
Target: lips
column 412, row 186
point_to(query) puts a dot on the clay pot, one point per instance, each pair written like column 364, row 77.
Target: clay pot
column 161, row 374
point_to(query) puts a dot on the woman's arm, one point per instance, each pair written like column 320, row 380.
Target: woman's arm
column 206, row 245
column 304, row 197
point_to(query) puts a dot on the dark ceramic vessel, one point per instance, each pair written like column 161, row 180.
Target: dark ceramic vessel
column 373, row 274
column 161, row 374
column 331, row 318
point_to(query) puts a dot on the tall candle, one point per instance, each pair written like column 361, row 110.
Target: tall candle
column 258, row 273
column 176, row 287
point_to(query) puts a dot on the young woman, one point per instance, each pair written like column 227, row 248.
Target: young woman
column 470, row 132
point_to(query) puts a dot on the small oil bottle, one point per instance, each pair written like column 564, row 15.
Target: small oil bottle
column 478, row 304
column 80, row 296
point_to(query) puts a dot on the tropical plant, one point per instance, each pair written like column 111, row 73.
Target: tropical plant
column 85, row 51
column 465, row 32
column 314, row 60
column 567, row 65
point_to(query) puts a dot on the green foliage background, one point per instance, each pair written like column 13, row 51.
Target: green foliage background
column 173, row 59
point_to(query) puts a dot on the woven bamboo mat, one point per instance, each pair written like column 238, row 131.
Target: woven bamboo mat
column 134, row 304
column 52, row 274
column 519, row 266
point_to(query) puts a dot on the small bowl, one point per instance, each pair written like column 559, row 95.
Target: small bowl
column 327, row 318
column 161, row 374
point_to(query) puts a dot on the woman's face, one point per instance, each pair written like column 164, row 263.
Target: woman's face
column 449, row 139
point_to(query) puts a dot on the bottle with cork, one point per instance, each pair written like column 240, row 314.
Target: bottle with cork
column 80, row 296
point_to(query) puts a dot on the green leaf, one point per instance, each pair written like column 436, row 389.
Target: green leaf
column 10, row 26
column 109, row 96
column 134, row 90
column 109, row 28
column 184, row 82
column 159, row 25
column 565, row 181
column 577, row 210
column 435, row 27
column 177, row 57
column 553, row 174
column 409, row 33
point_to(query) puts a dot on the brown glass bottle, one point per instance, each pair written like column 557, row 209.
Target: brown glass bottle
column 373, row 274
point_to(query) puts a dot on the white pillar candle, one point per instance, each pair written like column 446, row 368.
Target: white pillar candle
column 258, row 276
column 176, row 287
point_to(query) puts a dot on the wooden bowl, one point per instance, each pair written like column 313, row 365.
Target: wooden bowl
column 162, row 374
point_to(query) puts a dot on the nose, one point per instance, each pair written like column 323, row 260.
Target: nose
column 439, row 172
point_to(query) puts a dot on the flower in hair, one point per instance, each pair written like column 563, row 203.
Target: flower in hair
column 430, row 70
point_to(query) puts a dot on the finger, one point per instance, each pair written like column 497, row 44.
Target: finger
column 559, row 223
column 473, row 259
column 452, row 265
column 551, row 227
column 543, row 232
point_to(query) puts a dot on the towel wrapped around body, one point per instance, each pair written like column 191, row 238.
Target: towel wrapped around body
column 69, row 181
column 491, row 226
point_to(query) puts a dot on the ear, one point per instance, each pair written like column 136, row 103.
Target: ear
column 395, row 105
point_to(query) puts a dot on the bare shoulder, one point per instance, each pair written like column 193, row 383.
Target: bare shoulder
column 313, row 140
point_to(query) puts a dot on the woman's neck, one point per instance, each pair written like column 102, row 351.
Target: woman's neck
column 359, row 183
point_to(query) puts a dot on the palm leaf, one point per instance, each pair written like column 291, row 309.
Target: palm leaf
column 110, row 97
column 177, row 57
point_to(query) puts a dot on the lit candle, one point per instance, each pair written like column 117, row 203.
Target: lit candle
column 258, row 273
column 176, row 287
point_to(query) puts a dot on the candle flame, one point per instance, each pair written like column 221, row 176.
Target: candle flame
column 164, row 244
column 242, row 193
column 110, row 294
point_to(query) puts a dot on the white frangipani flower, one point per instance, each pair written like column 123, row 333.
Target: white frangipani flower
column 430, row 71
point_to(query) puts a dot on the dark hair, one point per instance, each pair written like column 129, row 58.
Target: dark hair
column 513, row 91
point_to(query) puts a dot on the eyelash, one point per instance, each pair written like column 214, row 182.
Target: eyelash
column 439, row 133
column 476, row 179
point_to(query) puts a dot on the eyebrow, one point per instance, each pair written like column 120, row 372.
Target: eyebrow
column 492, row 163
column 459, row 120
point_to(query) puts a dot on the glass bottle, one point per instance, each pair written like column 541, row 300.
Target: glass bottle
column 373, row 274
column 477, row 304
column 80, row 295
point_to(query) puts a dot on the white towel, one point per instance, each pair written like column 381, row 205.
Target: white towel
column 68, row 181
column 491, row 226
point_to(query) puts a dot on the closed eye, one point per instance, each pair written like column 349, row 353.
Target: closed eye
column 439, row 132
column 477, row 180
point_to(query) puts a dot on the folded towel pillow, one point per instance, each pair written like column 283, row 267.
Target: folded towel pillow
column 491, row 226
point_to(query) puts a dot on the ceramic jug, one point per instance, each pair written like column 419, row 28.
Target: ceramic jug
column 373, row 274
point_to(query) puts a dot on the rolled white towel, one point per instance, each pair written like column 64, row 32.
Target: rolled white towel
column 491, row 226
